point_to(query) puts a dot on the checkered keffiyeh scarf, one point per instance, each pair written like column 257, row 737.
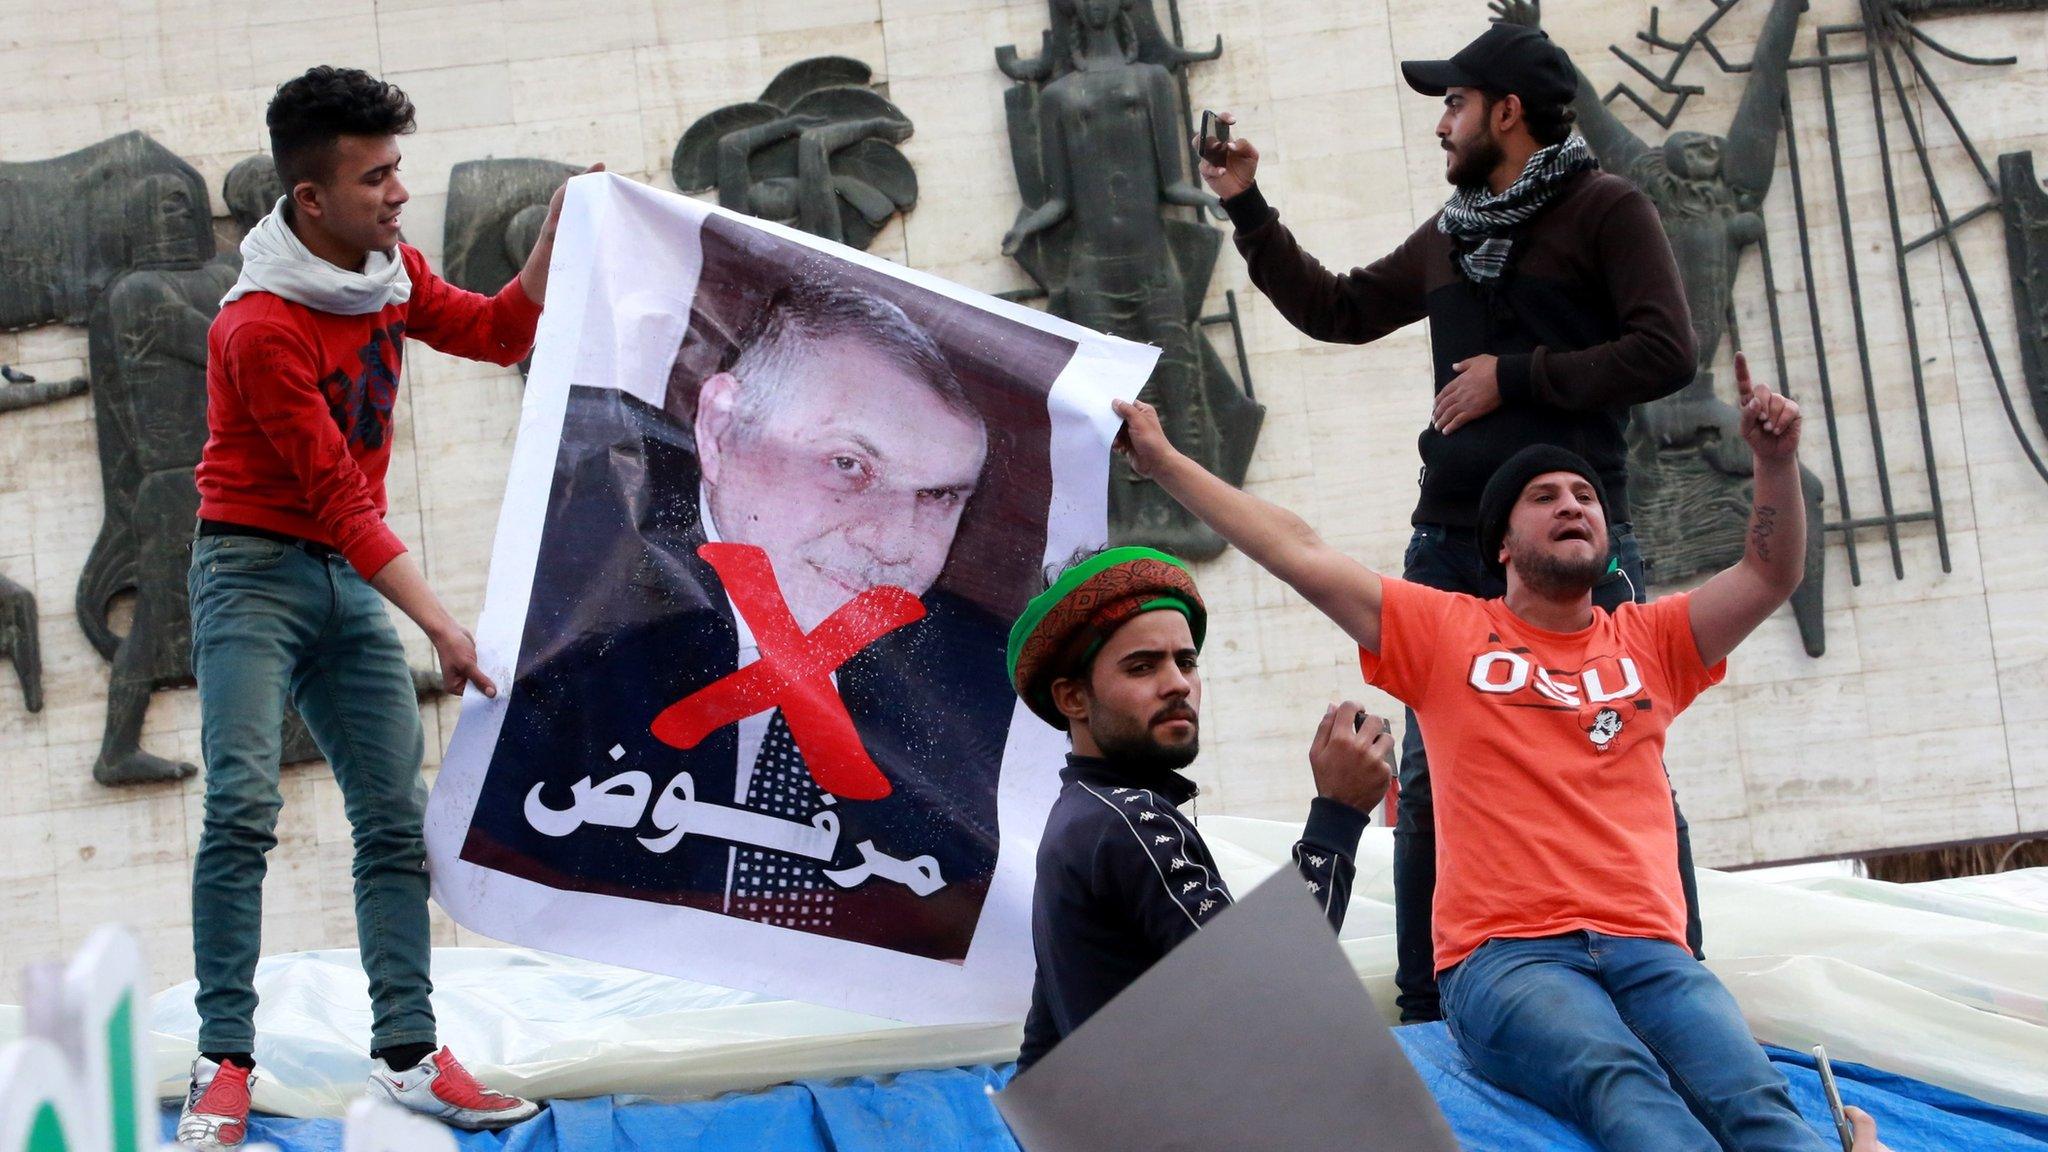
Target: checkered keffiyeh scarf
column 1474, row 214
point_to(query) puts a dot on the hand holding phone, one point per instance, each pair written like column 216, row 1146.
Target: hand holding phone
column 1843, row 1130
column 1229, row 165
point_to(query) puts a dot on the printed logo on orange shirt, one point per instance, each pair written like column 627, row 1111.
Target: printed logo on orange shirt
column 1591, row 691
column 1606, row 726
column 1504, row 673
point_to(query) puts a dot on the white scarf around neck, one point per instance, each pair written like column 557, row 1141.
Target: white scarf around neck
column 275, row 260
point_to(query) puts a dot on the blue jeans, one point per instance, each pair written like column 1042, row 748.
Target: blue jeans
column 1448, row 558
column 1633, row 1040
column 269, row 618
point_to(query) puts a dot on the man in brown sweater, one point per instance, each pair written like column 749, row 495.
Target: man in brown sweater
column 1553, row 305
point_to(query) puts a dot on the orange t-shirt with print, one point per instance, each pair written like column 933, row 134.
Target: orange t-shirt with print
column 1546, row 762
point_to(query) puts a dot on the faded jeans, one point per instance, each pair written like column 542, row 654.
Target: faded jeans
column 1631, row 1039
column 269, row 619
column 1448, row 558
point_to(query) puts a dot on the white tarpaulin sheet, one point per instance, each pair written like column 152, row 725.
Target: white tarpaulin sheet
column 774, row 506
column 1949, row 989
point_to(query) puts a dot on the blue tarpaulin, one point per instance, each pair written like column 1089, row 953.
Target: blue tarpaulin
column 950, row 1110
column 1911, row 1116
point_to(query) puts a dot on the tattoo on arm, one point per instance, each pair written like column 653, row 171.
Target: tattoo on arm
column 1762, row 523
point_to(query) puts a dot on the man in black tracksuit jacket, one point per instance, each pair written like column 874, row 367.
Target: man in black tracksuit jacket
column 1123, row 876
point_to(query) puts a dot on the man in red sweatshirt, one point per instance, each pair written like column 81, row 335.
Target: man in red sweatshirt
column 291, row 569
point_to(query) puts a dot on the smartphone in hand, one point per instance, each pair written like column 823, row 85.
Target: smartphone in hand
column 1215, row 137
column 1827, row 1084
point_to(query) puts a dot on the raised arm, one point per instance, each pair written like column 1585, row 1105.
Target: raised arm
column 1616, row 146
column 1751, row 155
column 533, row 275
column 1355, row 308
column 1277, row 540
column 498, row 328
column 1728, row 607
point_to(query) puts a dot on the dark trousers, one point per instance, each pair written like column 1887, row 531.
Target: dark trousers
column 270, row 621
column 1448, row 558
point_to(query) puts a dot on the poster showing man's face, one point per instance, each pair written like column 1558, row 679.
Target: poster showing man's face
column 762, row 671
column 842, row 444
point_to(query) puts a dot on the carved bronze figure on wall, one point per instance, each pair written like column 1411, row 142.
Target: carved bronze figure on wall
column 71, row 225
column 19, row 390
column 817, row 151
column 147, row 347
column 74, row 222
column 2025, row 207
column 146, row 341
column 20, row 641
column 495, row 211
column 1688, row 466
column 1097, row 134
column 1918, row 8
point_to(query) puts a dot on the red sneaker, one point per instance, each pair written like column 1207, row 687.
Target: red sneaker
column 441, row 1087
column 216, row 1113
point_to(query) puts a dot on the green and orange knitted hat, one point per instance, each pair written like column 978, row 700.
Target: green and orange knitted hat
column 1063, row 627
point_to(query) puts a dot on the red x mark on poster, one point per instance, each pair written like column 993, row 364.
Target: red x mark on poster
column 794, row 672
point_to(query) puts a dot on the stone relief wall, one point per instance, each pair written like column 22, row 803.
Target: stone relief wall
column 1925, row 721
column 1098, row 126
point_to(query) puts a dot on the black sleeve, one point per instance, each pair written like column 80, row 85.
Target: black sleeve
column 1039, row 1033
column 1326, row 855
column 1355, row 307
column 1156, row 863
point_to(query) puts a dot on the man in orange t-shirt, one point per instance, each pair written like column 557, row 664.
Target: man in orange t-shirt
column 1553, row 814
column 1560, row 922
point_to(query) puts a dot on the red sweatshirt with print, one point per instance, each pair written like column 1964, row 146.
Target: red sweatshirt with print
column 299, row 405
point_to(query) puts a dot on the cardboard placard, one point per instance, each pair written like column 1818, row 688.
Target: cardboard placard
column 1254, row 1033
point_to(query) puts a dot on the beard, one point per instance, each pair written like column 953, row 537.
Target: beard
column 1557, row 577
column 1472, row 163
column 1132, row 742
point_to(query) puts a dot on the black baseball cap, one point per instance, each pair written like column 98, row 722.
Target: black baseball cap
column 1507, row 58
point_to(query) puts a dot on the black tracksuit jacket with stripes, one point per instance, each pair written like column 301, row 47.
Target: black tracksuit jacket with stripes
column 1123, row 877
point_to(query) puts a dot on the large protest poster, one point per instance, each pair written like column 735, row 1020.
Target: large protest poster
column 773, row 508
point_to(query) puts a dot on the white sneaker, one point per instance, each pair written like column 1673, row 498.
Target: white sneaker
column 215, row 1117
column 442, row 1088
